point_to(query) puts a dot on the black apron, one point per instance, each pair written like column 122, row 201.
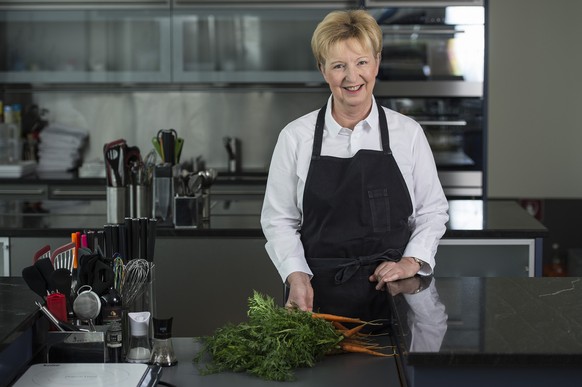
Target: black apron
column 355, row 215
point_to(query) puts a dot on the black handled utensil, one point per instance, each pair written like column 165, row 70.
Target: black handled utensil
column 34, row 280
column 46, row 269
column 62, row 281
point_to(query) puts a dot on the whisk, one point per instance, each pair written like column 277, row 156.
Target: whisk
column 118, row 272
column 135, row 278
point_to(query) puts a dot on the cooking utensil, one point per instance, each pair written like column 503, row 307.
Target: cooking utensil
column 63, row 256
column 156, row 142
column 151, row 235
column 45, row 268
column 87, row 306
column 137, row 274
column 61, row 325
column 149, row 164
column 209, row 176
column 114, row 154
column 167, row 139
column 179, row 146
column 193, row 184
column 43, row 252
column 34, row 280
column 62, row 282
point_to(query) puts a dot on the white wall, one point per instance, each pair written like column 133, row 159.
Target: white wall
column 535, row 99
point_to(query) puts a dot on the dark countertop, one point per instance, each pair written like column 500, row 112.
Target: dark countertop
column 465, row 321
column 239, row 217
column 17, row 309
column 335, row 370
column 486, row 325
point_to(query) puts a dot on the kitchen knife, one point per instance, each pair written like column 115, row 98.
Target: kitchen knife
column 151, row 244
column 135, row 238
column 143, row 237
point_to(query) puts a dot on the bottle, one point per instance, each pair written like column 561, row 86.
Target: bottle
column 111, row 317
column 556, row 266
column 8, row 118
column 114, row 342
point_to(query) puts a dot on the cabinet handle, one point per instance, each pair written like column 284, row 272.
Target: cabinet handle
column 38, row 191
column 62, row 192
column 439, row 123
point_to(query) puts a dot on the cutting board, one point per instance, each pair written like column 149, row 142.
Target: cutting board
column 83, row 375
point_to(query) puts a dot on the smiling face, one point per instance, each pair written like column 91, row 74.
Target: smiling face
column 350, row 69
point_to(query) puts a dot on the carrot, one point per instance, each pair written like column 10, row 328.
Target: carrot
column 336, row 318
column 357, row 348
column 353, row 331
column 339, row 326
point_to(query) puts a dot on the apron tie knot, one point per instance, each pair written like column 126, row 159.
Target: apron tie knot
column 347, row 270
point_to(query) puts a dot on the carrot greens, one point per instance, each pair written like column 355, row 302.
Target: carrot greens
column 272, row 343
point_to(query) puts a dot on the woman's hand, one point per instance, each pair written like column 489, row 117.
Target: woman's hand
column 300, row 291
column 392, row 271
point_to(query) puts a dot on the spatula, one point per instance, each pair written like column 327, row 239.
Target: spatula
column 34, row 280
column 46, row 269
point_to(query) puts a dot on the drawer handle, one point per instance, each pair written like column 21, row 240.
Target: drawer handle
column 62, row 192
column 38, row 191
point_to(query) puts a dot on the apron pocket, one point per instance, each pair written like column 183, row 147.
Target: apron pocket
column 380, row 207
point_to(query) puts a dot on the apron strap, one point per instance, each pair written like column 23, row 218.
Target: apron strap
column 318, row 136
column 347, row 270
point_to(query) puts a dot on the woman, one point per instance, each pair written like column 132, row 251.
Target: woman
column 353, row 199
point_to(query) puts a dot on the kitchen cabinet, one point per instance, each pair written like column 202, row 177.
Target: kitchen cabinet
column 254, row 46
column 82, row 4
column 420, row 3
column 267, row 3
column 486, row 258
column 85, row 46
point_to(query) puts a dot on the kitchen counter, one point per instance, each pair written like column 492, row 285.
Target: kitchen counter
column 347, row 370
column 454, row 332
column 241, row 217
column 491, row 332
column 19, row 320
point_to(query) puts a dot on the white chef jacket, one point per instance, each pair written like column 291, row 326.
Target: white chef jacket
column 282, row 212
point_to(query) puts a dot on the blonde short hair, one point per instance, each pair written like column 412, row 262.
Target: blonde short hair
column 339, row 26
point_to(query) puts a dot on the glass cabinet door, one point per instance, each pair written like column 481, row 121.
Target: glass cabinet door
column 85, row 46
column 222, row 46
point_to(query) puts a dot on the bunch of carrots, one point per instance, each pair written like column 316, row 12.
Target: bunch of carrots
column 275, row 341
column 353, row 340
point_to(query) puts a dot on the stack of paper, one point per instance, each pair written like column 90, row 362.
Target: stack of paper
column 60, row 147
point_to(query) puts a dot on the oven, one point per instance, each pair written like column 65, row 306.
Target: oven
column 432, row 69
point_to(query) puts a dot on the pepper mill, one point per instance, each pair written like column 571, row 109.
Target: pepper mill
column 163, row 350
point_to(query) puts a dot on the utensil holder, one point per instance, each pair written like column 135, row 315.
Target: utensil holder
column 139, row 201
column 116, row 204
column 75, row 347
column 187, row 211
column 163, row 195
